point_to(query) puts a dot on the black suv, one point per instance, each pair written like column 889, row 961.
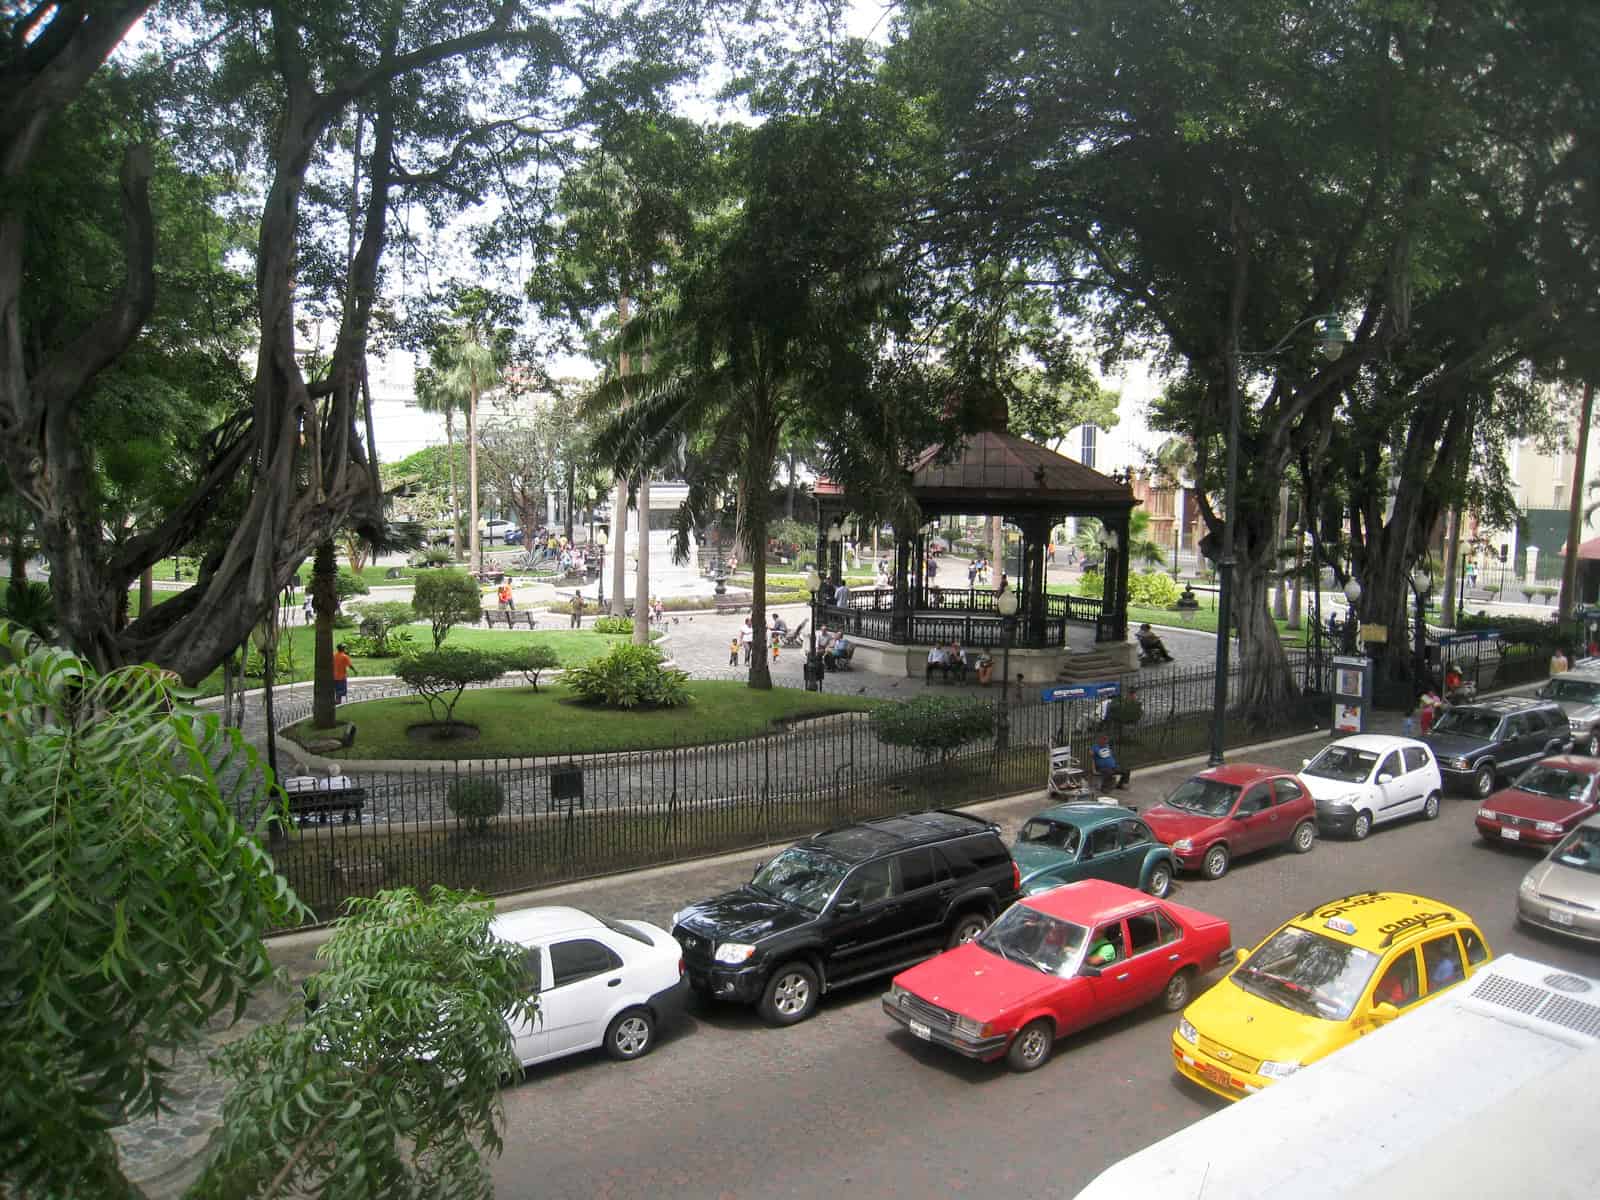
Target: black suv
column 1478, row 743
column 848, row 904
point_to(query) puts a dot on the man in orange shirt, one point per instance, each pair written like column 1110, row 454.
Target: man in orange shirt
column 341, row 673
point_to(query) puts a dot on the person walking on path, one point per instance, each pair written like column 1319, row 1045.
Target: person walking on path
column 507, row 604
column 747, row 640
column 341, row 673
column 733, row 651
column 577, row 609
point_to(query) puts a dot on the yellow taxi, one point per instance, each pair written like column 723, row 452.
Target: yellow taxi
column 1323, row 979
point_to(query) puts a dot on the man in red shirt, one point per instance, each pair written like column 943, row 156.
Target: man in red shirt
column 341, row 673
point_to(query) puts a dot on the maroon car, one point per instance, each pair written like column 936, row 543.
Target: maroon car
column 1237, row 808
column 1545, row 803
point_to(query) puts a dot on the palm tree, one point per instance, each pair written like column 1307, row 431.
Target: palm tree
column 472, row 369
column 434, row 397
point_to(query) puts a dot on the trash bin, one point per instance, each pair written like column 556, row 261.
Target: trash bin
column 566, row 787
column 812, row 671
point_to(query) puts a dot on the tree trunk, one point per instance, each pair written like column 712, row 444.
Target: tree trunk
column 324, row 602
column 1448, row 616
column 1265, row 687
column 641, row 591
column 455, row 488
column 1299, row 578
column 756, row 545
column 1280, row 589
column 1569, row 571
column 788, row 498
column 147, row 589
column 619, row 547
column 474, row 539
column 572, row 503
column 18, row 545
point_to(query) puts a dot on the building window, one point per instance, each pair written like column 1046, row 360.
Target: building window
column 1086, row 454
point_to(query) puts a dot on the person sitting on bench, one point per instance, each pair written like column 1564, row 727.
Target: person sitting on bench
column 956, row 662
column 937, row 662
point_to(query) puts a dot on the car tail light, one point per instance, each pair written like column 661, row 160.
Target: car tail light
column 1016, row 876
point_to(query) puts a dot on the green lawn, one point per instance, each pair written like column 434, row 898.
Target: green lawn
column 574, row 646
column 518, row 722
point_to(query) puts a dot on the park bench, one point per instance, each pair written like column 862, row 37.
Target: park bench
column 312, row 798
column 949, row 672
column 495, row 577
column 731, row 604
column 524, row 616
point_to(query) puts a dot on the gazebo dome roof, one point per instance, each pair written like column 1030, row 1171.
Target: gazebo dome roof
column 1000, row 473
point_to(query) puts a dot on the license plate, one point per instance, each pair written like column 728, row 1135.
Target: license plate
column 1215, row 1074
column 922, row 1031
column 1560, row 918
column 1511, row 835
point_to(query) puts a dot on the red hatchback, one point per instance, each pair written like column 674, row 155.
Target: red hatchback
column 1544, row 804
column 1055, row 963
column 1234, row 809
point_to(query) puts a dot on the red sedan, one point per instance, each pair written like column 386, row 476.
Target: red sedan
column 1545, row 803
column 1056, row 963
column 1234, row 809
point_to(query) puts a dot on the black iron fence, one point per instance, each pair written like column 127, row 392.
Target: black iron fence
column 505, row 825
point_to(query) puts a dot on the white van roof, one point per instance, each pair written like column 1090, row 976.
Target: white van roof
column 1488, row 1090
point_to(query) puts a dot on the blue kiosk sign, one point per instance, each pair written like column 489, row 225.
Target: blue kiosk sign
column 1079, row 691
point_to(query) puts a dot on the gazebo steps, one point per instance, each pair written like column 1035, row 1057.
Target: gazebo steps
column 1093, row 666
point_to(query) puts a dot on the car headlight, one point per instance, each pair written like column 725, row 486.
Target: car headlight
column 733, row 953
column 1188, row 1033
column 1184, row 844
column 967, row 1027
column 1349, row 801
column 1461, row 764
column 1526, row 887
column 1486, row 814
column 897, row 995
column 1549, row 827
column 1278, row 1070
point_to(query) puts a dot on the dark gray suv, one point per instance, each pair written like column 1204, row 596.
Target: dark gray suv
column 1476, row 744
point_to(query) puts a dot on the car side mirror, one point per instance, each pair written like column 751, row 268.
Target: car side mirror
column 760, row 867
column 1305, row 762
column 1089, row 972
column 1386, row 778
column 1384, row 1013
column 851, row 905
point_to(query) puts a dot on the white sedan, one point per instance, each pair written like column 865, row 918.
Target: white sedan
column 599, row 982
column 1362, row 781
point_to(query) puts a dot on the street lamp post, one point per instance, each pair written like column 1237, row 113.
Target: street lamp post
column 813, row 671
column 1006, row 602
column 1332, row 339
column 1422, row 585
column 1352, row 593
column 600, row 540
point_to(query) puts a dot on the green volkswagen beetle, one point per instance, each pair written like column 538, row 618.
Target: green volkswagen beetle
column 1091, row 841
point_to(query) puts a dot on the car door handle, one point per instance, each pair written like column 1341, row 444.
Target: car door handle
column 1121, row 978
column 1172, row 958
column 613, row 983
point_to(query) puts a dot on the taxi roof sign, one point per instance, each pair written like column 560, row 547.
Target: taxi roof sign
column 1341, row 925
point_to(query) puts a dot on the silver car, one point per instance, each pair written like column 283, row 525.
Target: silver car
column 1578, row 694
column 1562, row 893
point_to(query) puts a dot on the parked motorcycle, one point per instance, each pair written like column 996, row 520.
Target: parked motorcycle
column 1154, row 654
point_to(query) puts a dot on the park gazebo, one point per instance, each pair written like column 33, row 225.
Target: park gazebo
column 990, row 474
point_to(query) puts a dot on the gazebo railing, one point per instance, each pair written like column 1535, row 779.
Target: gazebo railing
column 967, row 615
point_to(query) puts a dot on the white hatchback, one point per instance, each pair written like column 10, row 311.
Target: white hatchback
column 1362, row 781
column 599, row 982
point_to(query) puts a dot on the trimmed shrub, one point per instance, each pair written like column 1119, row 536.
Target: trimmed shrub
column 933, row 724
column 1515, row 631
column 446, row 599
column 347, row 585
column 622, row 625
column 440, row 676
column 530, row 660
column 629, row 676
column 1152, row 589
column 476, row 801
column 1091, row 583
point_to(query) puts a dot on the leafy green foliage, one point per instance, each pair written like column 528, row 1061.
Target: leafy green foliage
column 390, row 1085
column 348, row 585
column 933, row 724
column 630, row 677
column 446, row 599
column 1515, row 631
column 1091, row 583
column 440, row 676
column 1124, row 710
column 476, row 799
column 133, row 902
column 28, row 603
column 377, row 621
column 622, row 625
column 1152, row 589
column 530, row 660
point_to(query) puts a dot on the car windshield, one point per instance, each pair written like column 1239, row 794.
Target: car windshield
column 1209, row 796
column 1035, row 939
column 1465, row 723
column 1580, row 850
column 1038, row 832
column 1344, row 763
column 1307, row 973
column 1583, row 691
column 1558, row 783
column 803, row 878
